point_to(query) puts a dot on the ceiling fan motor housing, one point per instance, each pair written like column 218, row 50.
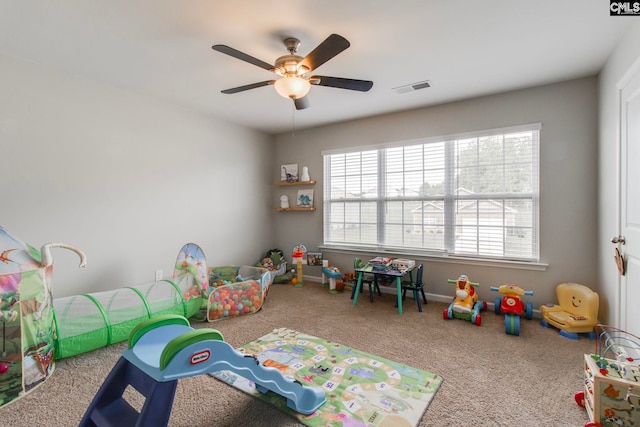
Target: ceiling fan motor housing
column 287, row 65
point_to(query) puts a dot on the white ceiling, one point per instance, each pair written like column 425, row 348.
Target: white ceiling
column 162, row 48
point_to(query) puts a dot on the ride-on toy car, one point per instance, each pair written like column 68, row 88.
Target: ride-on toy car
column 465, row 304
column 512, row 306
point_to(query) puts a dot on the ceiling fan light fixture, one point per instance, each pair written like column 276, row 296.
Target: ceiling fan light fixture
column 294, row 82
column 292, row 87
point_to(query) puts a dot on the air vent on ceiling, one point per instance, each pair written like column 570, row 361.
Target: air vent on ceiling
column 412, row 87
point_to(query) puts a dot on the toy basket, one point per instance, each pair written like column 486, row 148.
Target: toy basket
column 236, row 290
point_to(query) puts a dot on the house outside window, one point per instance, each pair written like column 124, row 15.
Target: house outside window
column 473, row 194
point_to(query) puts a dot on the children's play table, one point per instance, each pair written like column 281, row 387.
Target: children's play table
column 389, row 271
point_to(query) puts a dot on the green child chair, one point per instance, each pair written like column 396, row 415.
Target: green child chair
column 416, row 287
column 366, row 278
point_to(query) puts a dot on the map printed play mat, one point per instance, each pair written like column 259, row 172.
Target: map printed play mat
column 362, row 389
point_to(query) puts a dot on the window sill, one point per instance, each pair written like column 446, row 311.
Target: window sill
column 450, row 259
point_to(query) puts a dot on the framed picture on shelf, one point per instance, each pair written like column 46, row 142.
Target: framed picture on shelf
column 289, row 173
column 314, row 258
column 305, row 198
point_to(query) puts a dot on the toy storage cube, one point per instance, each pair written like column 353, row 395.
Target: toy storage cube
column 612, row 397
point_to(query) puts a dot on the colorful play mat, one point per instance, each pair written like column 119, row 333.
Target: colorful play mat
column 362, row 389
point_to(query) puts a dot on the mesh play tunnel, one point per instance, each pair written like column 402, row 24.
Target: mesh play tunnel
column 90, row 321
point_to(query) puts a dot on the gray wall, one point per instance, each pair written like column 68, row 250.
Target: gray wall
column 126, row 178
column 568, row 181
column 130, row 179
column 627, row 53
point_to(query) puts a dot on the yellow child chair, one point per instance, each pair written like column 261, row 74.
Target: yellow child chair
column 576, row 311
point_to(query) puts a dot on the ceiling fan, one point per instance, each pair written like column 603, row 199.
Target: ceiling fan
column 294, row 82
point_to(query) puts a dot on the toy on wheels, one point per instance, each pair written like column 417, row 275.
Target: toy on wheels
column 512, row 306
column 465, row 304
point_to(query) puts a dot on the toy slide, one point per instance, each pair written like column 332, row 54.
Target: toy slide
column 165, row 349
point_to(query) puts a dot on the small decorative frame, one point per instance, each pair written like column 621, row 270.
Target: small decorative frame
column 289, row 173
column 305, row 198
column 314, row 258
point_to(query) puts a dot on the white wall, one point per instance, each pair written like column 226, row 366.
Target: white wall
column 627, row 53
column 126, row 178
column 568, row 181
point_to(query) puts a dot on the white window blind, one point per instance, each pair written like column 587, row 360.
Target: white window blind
column 470, row 195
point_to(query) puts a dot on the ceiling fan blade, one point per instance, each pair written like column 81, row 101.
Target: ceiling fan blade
column 333, row 45
column 341, row 83
column 302, row 103
column 242, row 56
column 247, row 87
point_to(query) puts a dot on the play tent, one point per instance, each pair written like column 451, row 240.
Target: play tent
column 26, row 315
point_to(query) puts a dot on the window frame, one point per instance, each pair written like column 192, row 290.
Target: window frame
column 450, row 197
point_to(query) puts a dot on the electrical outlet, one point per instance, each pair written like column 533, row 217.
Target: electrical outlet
column 158, row 275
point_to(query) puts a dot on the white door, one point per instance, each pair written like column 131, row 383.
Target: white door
column 629, row 244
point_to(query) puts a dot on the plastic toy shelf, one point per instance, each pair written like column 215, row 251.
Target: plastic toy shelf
column 286, row 183
column 296, row 209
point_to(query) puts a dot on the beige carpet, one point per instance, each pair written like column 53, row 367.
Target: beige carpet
column 490, row 378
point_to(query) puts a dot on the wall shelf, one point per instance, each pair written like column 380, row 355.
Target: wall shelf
column 296, row 209
column 285, row 183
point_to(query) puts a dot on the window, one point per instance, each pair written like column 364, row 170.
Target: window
column 465, row 195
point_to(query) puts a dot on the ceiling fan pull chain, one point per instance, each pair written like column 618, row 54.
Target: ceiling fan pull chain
column 293, row 122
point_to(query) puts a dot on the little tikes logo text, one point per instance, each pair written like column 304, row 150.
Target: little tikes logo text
column 621, row 8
